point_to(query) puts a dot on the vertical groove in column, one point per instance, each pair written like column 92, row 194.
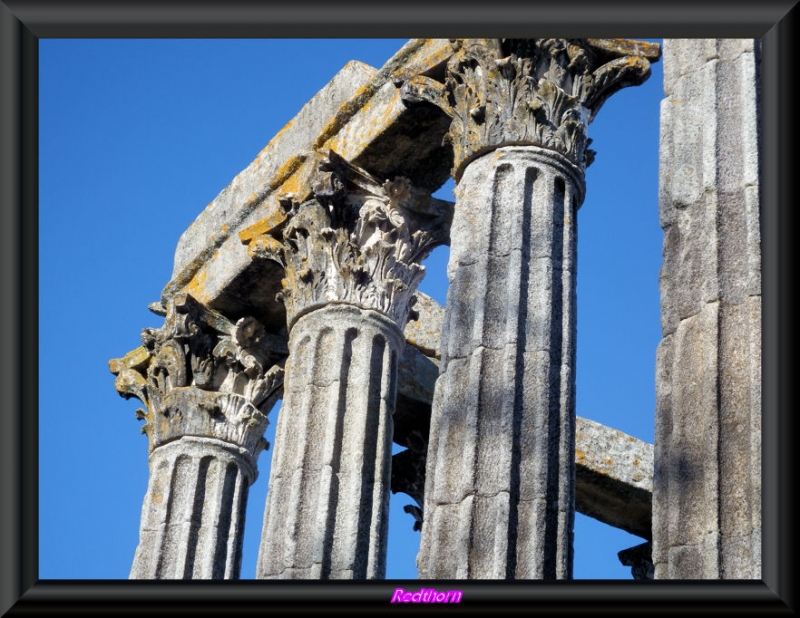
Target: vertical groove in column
column 356, row 382
column 225, row 522
column 518, row 360
column 303, row 500
column 370, row 450
column 554, row 416
column 168, row 567
column 379, row 529
column 202, row 549
column 713, row 177
column 197, row 516
column 236, row 540
column 327, row 512
column 566, row 491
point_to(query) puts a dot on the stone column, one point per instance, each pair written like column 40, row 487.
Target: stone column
column 352, row 256
column 707, row 477
column 208, row 385
column 500, row 486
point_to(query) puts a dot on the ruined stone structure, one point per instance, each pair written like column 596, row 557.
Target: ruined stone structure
column 299, row 282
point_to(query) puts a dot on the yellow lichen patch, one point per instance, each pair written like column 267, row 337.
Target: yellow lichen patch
column 637, row 461
column 286, row 170
column 580, row 457
column 264, row 246
column 224, row 228
column 345, row 144
column 264, row 226
column 297, row 183
column 423, row 59
column 607, row 461
column 439, row 56
column 132, row 360
column 345, row 112
column 197, row 287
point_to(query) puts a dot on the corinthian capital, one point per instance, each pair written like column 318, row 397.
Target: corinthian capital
column 356, row 240
column 202, row 375
column 542, row 92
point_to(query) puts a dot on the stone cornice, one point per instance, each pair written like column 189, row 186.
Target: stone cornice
column 356, row 240
column 202, row 375
column 543, row 92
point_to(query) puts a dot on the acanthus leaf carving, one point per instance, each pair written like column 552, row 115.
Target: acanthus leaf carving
column 196, row 367
column 356, row 240
column 542, row 92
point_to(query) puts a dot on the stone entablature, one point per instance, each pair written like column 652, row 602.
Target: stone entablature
column 359, row 115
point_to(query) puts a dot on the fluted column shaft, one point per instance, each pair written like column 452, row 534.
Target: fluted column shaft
column 499, row 497
column 193, row 514
column 327, row 505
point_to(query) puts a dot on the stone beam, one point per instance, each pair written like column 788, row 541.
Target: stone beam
column 360, row 116
column 614, row 477
column 614, row 471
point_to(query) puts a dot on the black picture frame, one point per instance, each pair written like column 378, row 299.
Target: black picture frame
column 23, row 23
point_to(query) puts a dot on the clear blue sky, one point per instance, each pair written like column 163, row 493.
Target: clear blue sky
column 136, row 138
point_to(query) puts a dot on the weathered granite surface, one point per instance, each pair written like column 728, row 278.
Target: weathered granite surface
column 501, row 461
column 707, row 486
column 614, row 471
column 326, row 514
column 614, row 479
